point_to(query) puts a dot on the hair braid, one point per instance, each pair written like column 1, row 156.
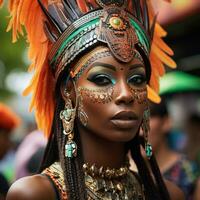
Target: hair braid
column 157, row 175
column 72, row 167
column 151, row 191
column 159, row 180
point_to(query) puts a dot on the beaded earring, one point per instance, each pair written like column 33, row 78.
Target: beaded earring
column 68, row 116
column 146, row 128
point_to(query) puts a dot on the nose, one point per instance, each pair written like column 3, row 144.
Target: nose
column 123, row 94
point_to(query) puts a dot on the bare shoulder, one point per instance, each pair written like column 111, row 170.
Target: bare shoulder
column 35, row 187
column 174, row 191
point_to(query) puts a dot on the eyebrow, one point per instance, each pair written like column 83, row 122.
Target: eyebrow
column 135, row 66
column 106, row 65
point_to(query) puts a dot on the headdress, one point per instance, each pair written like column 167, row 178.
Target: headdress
column 8, row 119
column 59, row 31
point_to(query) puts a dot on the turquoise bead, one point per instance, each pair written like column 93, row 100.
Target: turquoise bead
column 68, row 150
column 148, row 150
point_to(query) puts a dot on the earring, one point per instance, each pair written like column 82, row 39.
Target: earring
column 146, row 129
column 68, row 116
column 81, row 113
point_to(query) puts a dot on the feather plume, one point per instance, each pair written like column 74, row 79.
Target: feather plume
column 158, row 65
column 159, row 55
column 162, row 45
column 151, row 94
column 42, row 84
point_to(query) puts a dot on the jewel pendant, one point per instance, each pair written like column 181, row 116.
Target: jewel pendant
column 148, row 150
column 70, row 149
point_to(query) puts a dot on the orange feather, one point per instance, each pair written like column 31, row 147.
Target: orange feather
column 162, row 45
column 152, row 95
column 163, row 56
column 157, row 64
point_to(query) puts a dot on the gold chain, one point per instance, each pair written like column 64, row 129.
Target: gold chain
column 108, row 184
column 124, row 188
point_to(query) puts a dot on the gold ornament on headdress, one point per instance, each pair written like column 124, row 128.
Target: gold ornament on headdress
column 33, row 16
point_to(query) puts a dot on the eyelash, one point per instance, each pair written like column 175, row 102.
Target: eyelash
column 137, row 79
column 100, row 79
column 105, row 80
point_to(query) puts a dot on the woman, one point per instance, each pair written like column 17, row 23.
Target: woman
column 92, row 66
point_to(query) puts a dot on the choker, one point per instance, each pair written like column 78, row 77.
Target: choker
column 105, row 172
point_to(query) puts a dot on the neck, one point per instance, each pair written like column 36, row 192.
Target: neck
column 101, row 152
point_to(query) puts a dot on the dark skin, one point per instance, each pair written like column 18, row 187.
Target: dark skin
column 101, row 138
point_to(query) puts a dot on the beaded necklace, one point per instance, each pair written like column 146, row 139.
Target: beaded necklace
column 102, row 183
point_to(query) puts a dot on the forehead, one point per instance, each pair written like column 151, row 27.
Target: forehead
column 102, row 54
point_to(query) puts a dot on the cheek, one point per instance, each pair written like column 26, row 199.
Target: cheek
column 96, row 112
column 96, row 97
column 96, row 102
column 139, row 95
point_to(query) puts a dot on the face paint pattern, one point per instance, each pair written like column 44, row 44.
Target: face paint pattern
column 98, row 96
column 96, row 56
column 140, row 95
column 81, row 113
column 106, row 95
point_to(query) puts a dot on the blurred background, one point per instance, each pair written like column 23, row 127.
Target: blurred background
column 180, row 88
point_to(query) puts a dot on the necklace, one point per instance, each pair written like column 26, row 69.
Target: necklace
column 112, row 184
column 103, row 172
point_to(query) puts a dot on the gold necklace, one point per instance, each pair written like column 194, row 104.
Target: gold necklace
column 112, row 184
column 103, row 172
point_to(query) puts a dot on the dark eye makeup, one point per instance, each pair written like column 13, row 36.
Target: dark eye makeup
column 103, row 76
column 101, row 79
column 137, row 79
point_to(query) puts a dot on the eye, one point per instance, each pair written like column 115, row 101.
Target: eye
column 101, row 79
column 137, row 79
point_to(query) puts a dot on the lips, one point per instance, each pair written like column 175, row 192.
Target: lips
column 125, row 120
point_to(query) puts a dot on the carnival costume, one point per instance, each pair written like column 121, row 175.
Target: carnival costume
column 60, row 32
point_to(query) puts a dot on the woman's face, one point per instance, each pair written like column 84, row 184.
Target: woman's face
column 113, row 96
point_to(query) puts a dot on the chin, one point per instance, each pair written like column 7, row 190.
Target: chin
column 123, row 135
